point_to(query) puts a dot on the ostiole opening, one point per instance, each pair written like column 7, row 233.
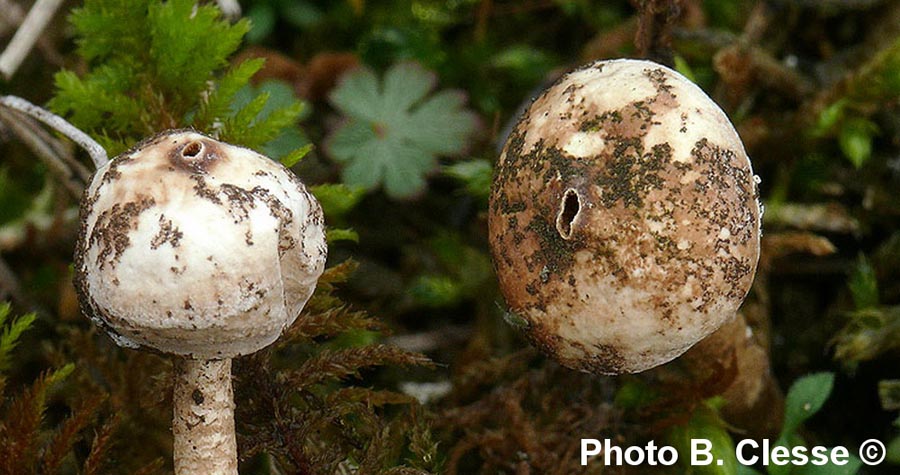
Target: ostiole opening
column 568, row 211
column 192, row 149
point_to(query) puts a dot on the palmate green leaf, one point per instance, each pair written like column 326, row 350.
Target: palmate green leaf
column 394, row 131
column 358, row 95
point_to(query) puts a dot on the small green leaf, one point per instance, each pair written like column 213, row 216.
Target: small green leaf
column 850, row 468
column 10, row 336
column 806, row 396
column 525, row 63
column 60, row 374
column 682, row 66
column 745, row 470
column 394, row 132
column 705, row 424
column 893, row 451
column 301, row 14
column 633, row 394
column 333, row 235
column 856, row 138
column 262, row 21
column 219, row 100
column 337, row 199
column 475, row 174
column 294, row 157
column 830, row 117
column 436, row 291
column 863, row 284
column 889, row 394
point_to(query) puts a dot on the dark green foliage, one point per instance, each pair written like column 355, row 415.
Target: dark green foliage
column 9, row 337
column 476, row 174
column 309, row 417
column 27, row 445
column 498, row 423
column 804, row 399
column 154, row 66
column 20, row 437
column 863, row 285
column 810, row 84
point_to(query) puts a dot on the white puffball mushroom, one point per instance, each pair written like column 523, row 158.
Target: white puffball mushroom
column 200, row 249
column 624, row 218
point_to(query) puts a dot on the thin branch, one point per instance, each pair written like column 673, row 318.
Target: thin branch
column 63, row 150
column 431, row 340
column 97, row 152
column 25, row 38
column 25, row 129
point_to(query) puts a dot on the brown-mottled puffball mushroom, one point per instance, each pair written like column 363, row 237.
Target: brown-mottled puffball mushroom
column 204, row 250
column 624, row 218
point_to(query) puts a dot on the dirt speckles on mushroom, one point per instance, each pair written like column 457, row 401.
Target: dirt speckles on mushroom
column 201, row 237
column 624, row 219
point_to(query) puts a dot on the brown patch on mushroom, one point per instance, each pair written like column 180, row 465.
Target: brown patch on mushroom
column 596, row 215
column 168, row 233
column 240, row 201
column 112, row 227
column 205, row 191
column 284, row 216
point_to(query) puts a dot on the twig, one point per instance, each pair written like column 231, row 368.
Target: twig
column 26, row 130
column 431, row 340
column 97, row 152
column 63, row 150
column 24, row 39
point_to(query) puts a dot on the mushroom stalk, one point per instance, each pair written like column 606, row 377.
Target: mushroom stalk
column 203, row 424
column 179, row 238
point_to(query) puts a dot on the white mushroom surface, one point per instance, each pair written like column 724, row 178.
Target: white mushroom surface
column 624, row 218
column 198, row 248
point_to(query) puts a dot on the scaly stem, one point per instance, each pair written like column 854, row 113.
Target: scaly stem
column 97, row 152
column 203, row 425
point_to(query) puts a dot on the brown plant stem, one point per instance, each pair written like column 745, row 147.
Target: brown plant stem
column 203, row 423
